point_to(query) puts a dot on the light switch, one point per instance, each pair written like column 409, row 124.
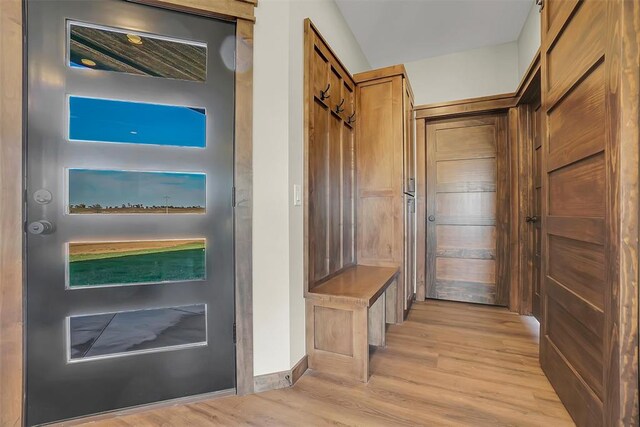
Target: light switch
column 297, row 195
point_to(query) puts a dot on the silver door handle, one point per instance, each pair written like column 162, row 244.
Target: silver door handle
column 40, row 227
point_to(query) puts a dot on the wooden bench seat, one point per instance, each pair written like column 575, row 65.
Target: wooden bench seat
column 345, row 315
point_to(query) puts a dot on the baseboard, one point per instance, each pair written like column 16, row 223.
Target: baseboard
column 281, row 379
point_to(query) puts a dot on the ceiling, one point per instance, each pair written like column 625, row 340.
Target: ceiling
column 399, row 31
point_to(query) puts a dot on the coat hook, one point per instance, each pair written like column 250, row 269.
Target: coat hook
column 323, row 93
column 351, row 118
column 338, row 107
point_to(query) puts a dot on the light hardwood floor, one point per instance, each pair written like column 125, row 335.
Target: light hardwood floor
column 449, row 364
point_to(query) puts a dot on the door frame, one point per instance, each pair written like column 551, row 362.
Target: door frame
column 515, row 105
column 496, row 104
column 12, row 142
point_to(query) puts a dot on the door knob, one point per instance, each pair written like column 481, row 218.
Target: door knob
column 432, row 218
column 40, row 227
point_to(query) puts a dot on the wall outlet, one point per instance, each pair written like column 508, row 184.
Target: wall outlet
column 297, row 195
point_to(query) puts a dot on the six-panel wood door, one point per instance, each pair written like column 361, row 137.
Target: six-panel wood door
column 579, row 341
column 467, row 213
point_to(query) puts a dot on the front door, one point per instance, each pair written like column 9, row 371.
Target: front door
column 467, row 213
column 130, row 283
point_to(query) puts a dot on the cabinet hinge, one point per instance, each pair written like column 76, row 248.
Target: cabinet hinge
column 234, row 333
column 233, row 198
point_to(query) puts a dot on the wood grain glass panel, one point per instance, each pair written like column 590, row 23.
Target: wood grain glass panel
column 335, row 194
column 466, row 270
column 333, row 330
column 578, row 344
column 466, row 175
column 319, row 72
column 377, row 234
column 466, row 208
column 579, row 266
column 578, row 189
column 466, row 142
column 348, row 252
column 576, row 124
column 577, row 49
column 318, row 194
column 377, row 139
column 466, row 242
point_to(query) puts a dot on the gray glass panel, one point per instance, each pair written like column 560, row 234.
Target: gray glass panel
column 132, row 192
column 141, row 331
column 109, row 120
column 95, row 47
column 94, row 264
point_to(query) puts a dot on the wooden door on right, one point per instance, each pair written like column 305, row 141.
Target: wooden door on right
column 582, row 322
column 467, row 209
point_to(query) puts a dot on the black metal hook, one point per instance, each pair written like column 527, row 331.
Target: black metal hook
column 338, row 109
column 351, row 118
column 323, row 93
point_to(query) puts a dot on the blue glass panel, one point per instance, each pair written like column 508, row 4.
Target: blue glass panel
column 107, row 120
column 132, row 192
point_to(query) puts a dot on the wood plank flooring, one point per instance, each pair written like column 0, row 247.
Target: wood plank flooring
column 449, row 364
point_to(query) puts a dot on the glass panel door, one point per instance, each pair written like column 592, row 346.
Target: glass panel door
column 130, row 285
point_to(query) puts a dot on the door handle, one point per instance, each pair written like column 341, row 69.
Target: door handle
column 40, row 227
column 431, row 218
column 531, row 219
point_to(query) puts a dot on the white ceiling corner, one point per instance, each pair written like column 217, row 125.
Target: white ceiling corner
column 399, row 31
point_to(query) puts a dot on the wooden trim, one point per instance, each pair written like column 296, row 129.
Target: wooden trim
column 282, row 379
column 485, row 104
column 392, row 71
column 515, row 131
column 11, row 137
column 625, row 344
column 221, row 9
column 11, row 231
column 532, row 71
column 244, row 206
column 421, row 209
column 629, row 122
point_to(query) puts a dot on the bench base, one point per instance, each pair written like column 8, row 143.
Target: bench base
column 338, row 334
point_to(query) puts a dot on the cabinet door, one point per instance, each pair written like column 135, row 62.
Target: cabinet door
column 410, row 244
column 409, row 142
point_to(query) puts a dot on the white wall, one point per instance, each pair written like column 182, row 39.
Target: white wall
column 529, row 40
column 278, row 303
column 480, row 72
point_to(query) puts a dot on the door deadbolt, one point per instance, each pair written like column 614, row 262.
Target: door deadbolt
column 40, row 227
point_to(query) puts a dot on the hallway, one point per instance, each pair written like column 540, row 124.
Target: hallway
column 448, row 364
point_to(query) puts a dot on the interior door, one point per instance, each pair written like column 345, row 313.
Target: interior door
column 129, row 268
column 467, row 213
column 579, row 244
column 536, row 217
